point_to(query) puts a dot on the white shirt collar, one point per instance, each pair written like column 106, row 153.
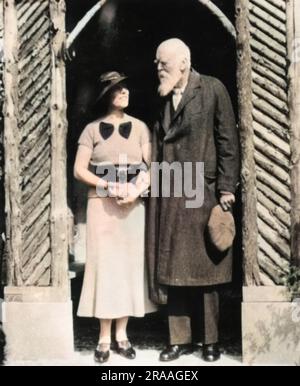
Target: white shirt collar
column 179, row 90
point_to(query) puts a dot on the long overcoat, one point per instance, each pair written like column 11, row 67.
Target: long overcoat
column 201, row 130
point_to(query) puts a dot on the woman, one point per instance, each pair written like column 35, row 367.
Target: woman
column 115, row 280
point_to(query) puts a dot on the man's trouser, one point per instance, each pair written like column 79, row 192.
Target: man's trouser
column 193, row 314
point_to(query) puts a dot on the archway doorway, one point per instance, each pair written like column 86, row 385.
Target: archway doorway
column 124, row 36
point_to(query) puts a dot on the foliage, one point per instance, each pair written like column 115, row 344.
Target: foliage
column 292, row 281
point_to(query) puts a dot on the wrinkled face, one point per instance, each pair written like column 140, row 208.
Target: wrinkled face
column 120, row 97
column 170, row 70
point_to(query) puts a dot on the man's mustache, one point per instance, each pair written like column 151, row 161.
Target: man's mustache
column 163, row 75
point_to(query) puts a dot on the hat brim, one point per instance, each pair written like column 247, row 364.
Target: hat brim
column 110, row 86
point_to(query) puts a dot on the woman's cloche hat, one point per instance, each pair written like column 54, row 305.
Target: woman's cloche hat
column 108, row 80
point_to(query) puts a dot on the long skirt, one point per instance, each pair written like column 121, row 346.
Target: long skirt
column 115, row 281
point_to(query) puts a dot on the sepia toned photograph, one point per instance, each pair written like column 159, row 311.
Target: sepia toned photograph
column 149, row 185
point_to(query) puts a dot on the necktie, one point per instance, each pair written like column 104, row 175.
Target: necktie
column 177, row 95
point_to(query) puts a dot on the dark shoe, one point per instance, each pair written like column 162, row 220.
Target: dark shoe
column 173, row 352
column 211, row 352
column 101, row 354
column 126, row 350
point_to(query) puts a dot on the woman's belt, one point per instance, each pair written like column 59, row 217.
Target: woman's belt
column 118, row 173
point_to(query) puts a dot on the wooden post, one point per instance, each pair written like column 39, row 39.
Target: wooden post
column 11, row 143
column 250, row 228
column 2, row 195
column 59, row 214
column 37, row 300
column 293, row 37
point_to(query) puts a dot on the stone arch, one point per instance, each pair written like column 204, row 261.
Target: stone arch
column 81, row 25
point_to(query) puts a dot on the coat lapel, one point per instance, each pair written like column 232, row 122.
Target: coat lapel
column 177, row 127
column 188, row 95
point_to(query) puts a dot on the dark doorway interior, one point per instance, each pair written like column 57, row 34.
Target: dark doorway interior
column 124, row 37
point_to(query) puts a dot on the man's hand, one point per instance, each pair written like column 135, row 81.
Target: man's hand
column 227, row 199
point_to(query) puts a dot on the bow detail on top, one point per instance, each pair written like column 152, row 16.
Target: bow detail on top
column 107, row 129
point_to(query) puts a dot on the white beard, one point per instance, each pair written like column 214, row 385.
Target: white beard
column 167, row 85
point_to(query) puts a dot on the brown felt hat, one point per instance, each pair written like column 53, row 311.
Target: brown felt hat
column 108, row 80
column 221, row 228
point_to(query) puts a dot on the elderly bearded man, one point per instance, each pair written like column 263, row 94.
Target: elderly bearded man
column 196, row 124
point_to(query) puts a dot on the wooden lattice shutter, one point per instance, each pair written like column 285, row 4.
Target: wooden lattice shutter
column 35, row 130
column 265, row 131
